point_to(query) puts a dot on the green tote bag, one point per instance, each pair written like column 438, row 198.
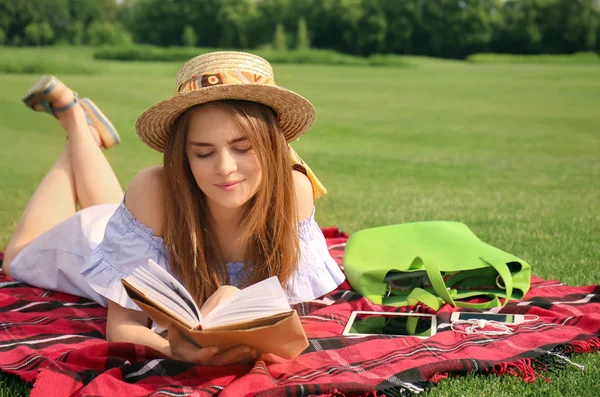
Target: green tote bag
column 433, row 263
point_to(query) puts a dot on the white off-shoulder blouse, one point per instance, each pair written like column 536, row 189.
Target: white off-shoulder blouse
column 88, row 254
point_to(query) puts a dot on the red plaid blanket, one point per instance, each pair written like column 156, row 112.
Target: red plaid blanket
column 58, row 341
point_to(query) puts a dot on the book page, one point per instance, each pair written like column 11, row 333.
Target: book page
column 263, row 299
column 165, row 295
column 165, row 292
column 159, row 301
column 171, row 282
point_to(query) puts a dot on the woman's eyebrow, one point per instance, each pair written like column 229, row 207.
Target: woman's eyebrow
column 240, row 139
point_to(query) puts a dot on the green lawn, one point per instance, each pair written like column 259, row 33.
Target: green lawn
column 512, row 150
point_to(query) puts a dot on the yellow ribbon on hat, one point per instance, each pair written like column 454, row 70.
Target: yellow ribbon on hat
column 318, row 188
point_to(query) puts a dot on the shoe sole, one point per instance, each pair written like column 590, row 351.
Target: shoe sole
column 108, row 133
column 41, row 87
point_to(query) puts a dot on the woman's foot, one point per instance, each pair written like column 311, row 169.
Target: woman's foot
column 109, row 136
column 49, row 94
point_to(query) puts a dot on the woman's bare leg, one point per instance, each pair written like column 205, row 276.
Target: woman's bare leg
column 81, row 175
column 53, row 201
column 95, row 180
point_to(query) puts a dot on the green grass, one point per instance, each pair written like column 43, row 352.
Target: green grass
column 68, row 60
column 37, row 60
column 150, row 53
column 580, row 58
column 512, row 150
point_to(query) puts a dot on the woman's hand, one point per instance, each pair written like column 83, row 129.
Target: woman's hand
column 184, row 349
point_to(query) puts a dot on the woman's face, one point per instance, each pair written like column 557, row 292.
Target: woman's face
column 224, row 164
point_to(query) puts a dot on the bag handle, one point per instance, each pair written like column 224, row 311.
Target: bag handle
column 504, row 274
column 492, row 302
column 436, row 280
column 439, row 286
column 419, row 295
column 498, row 271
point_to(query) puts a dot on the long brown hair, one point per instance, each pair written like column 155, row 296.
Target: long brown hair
column 270, row 220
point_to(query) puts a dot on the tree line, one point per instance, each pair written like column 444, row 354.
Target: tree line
column 441, row 28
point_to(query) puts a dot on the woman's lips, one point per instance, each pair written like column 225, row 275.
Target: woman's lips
column 229, row 186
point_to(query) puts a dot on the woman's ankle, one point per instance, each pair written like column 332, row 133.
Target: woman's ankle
column 64, row 99
column 72, row 116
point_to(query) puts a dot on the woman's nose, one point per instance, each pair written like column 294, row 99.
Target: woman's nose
column 227, row 163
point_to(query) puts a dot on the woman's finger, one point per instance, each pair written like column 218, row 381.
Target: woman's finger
column 185, row 349
column 176, row 337
column 202, row 355
column 234, row 355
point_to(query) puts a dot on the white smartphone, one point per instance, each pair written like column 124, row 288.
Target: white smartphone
column 505, row 318
column 393, row 324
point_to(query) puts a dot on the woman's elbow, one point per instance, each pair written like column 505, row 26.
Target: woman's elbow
column 112, row 334
column 120, row 320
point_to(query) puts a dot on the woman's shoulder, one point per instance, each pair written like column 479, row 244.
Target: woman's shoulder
column 304, row 195
column 145, row 198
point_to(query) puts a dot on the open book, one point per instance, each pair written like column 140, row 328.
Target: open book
column 258, row 316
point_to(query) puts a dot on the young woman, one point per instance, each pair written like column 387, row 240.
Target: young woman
column 226, row 209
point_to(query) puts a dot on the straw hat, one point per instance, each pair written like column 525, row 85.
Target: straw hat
column 219, row 76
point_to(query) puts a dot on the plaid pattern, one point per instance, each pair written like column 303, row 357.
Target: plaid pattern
column 58, row 340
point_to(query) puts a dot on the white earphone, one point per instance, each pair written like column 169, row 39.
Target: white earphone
column 478, row 326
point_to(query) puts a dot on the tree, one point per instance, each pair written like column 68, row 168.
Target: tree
column 32, row 34
column 567, row 26
column 50, row 21
column 39, row 33
column 15, row 16
column 100, row 33
column 76, row 33
column 454, row 28
column 189, row 37
column 2, row 37
column 86, row 11
column 520, row 33
column 7, row 15
column 402, row 18
column 271, row 12
column 303, row 40
column 280, row 39
column 159, row 22
column 52, row 16
column 596, row 12
column 372, row 28
column 16, row 41
column 126, row 14
column 335, row 24
column 46, row 33
column 233, row 19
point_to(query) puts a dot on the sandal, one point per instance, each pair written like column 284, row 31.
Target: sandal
column 108, row 133
column 43, row 92
column 47, row 89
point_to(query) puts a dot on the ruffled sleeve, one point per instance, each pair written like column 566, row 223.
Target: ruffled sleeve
column 317, row 272
column 127, row 244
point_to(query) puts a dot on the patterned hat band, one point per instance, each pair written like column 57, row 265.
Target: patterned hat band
column 224, row 77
